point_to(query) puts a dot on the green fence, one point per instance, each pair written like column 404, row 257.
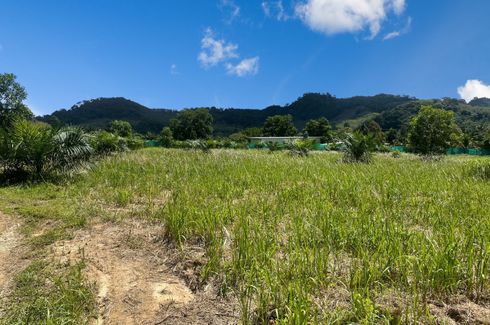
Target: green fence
column 152, row 143
column 399, row 148
column 316, row 146
column 452, row 151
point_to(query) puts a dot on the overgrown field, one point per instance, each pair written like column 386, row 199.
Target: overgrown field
column 295, row 240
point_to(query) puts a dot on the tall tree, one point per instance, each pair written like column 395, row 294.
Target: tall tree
column 373, row 129
column 319, row 128
column 432, row 130
column 12, row 95
column 279, row 126
column 192, row 124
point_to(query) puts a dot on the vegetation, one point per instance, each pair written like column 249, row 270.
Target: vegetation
column 293, row 237
column 68, row 300
column 12, row 95
column 359, row 147
column 296, row 240
column 32, row 150
column 432, row 131
column 319, row 128
column 121, row 128
column 374, row 130
column 279, row 126
column 192, row 125
column 166, row 137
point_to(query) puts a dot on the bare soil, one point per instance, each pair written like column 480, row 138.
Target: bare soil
column 10, row 248
column 137, row 280
column 460, row 310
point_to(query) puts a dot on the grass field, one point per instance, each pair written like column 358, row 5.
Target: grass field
column 297, row 240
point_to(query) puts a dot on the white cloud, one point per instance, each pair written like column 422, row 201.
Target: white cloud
column 474, row 89
column 275, row 9
column 400, row 32
column 347, row 16
column 398, row 6
column 214, row 51
column 246, row 67
column 391, row 35
column 231, row 9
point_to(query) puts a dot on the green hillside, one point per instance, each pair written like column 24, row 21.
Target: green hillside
column 389, row 111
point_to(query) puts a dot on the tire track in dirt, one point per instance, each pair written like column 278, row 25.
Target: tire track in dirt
column 133, row 282
column 10, row 245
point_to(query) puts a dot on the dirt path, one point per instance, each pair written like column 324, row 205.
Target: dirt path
column 135, row 284
column 10, row 241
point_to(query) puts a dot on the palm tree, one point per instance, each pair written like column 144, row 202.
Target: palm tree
column 36, row 149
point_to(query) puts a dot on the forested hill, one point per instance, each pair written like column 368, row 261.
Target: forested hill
column 98, row 113
column 389, row 110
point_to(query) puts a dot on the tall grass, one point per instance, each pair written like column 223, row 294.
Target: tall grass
column 310, row 240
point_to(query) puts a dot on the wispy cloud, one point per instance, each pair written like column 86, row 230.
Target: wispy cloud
column 173, row 70
column 230, row 9
column 400, row 32
column 275, row 9
column 347, row 16
column 474, row 89
column 215, row 51
column 246, row 67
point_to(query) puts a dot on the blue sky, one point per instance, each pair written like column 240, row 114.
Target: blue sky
column 243, row 53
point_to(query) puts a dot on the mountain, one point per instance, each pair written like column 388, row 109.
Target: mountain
column 389, row 111
column 98, row 113
column 482, row 102
column 473, row 120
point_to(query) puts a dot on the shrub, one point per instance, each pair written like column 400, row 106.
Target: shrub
column 300, row 148
column 239, row 137
column 396, row 154
column 166, row 137
column 486, row 141
column 34, row 150
column 273, row 146
column 201, row 145
column 359, row 147
column 135, row 143
column 121, row 128
column 105, row 142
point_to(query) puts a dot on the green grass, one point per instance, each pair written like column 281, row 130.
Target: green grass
column 300, row 239
column 42, row 296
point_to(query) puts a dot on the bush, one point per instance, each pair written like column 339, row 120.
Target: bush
column 239, row 137
column 201, row 145
column 134, row 143
column 396, row 154
column 121, row 128
column 35, row 150
column 300, row 148
column 359, row 147
column 273, row 146
column 105, row 142
column 166, row 137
